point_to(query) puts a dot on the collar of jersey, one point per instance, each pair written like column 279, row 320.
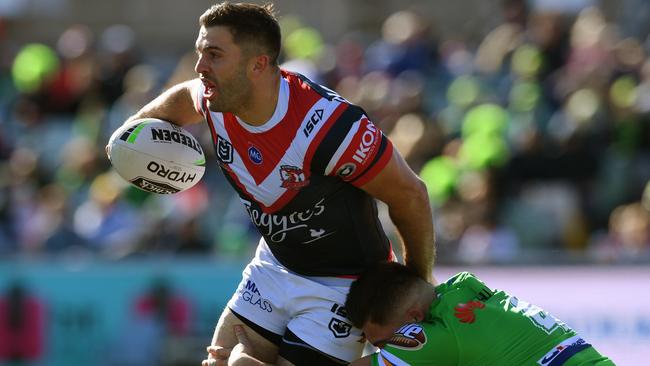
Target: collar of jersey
column 278, row 115
column 440, row 289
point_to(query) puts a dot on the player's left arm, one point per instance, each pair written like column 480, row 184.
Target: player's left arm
column 357, row 151
column 409, row 208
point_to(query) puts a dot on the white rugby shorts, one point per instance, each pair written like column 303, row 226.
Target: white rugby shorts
column 275, row 298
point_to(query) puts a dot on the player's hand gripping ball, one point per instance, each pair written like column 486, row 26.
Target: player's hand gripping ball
column 156, row 156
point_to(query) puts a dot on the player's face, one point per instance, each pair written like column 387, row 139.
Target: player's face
column 221, row 65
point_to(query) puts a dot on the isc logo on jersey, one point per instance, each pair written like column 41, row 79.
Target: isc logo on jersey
column 410, row 337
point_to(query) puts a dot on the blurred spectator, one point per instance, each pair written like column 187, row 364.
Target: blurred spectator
column 628, row 238
column 159, row 316
column 486, row 243
column 22, row 326
column 302, row 47
column 74, row 79
column 117, row 51
column 633, row 19
column 170, row 309
column 405, row 45
column 139, row 86
column 110, row 225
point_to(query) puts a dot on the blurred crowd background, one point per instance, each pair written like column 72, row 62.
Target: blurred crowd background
column 529, row 121
column 533, row 137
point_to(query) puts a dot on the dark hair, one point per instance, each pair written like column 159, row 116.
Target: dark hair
column 250, row 25
column 377, row 292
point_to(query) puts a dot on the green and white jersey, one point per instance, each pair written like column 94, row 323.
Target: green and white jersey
column 470, row 324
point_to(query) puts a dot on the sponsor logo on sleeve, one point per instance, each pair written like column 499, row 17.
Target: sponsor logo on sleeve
column 358, row 150
column 563, row 351
column 368, row 143
column 410, row 337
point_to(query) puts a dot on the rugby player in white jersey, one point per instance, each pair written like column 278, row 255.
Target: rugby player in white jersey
column 307, row 166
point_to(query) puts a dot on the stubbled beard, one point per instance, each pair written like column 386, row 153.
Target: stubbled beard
column 239, row 88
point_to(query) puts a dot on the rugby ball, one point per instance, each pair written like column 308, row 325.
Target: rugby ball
column 156, row 156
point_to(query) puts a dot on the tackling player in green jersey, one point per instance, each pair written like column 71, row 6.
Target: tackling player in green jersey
column 461, row 322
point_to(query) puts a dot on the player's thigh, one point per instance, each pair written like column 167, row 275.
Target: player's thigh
column 263, row 349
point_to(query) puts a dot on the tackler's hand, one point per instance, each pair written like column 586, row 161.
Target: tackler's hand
column 217, row 356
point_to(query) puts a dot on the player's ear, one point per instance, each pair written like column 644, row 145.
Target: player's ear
column 259, row 64
column 415, row 314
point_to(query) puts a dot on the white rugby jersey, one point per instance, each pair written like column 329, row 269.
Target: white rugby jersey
column 298, row 176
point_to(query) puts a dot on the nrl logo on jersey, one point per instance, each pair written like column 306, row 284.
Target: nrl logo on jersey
column 224, row 151
column 293, row 177
column 339, row 328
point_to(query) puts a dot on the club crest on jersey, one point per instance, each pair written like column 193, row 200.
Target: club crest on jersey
column 224, row 150
column 255, row 155
column 293, row 177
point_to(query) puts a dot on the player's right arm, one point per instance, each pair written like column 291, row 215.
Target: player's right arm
column 177, row 105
